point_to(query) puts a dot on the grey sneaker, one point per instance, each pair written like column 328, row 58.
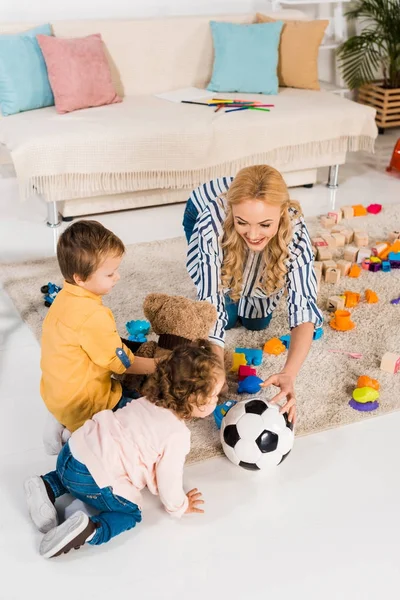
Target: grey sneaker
column 41, row 509
column 73, row 533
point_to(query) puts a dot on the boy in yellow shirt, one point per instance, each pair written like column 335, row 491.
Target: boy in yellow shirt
column 81, row 348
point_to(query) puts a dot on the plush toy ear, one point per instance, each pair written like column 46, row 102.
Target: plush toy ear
column 206, row 312
column 152, row 304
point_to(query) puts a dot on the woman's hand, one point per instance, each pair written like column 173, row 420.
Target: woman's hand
column 195, row 499
column 286, row 383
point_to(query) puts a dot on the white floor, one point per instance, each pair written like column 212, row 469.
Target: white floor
column 325, row 525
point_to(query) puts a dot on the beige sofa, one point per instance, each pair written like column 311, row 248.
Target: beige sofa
column 149, row 151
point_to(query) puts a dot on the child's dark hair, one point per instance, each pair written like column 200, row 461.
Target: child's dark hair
column 83, row 246
column 186, row 378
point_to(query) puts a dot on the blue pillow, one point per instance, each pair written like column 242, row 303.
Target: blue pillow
column 245, row 57
column 24, row 84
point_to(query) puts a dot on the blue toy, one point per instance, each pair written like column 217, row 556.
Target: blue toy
column 137, row 330
column 50, row 292
column 253, row 355
column 386, row 266
column 221, row 410
column 285, row 339
column 318, row 333
column 250, row 385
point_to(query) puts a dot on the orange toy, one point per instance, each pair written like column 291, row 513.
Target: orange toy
column 365, row 381
column 371, row 298
column 395, row 247
column 352, row 299
column 359, row 210
column 274, row 346
column 342, row 321
column 354, row 271
column 395, row 161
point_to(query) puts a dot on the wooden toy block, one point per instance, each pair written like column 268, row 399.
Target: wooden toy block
column 338, row 228
column 361, row 239
column 371, row 297
column 318, row 241
column 328, row 264
column 352, row 299
column 363, row 253
column 253, row 355
column 359, row 210
column 344, row 267
column 336, row 215
column 335, row 303
column 348, row 234
column 393, row 236
column 379, row 249
column 246, row 371
column 340, row 239
column 324, row 253
column 237, row 361
column 318, row 275
column 314, row 251
column 318, row 264
column 350, row 253
column 365, row 381
column 330, row 240
column 327, row 222
column 274, row 346
column 347, row 212
column 390, row 362
column 355, row 271
column 365, row 264
column 332, row 275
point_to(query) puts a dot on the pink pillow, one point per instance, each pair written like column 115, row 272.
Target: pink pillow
column 78, row 71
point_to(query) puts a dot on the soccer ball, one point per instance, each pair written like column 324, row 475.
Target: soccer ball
column 254, row 434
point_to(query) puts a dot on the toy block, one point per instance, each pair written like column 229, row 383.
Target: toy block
column 327, row 222
column 285, row 339
column 350, row 253
column 335, row 303
column 359, row 210
column 274, row 346
column 338, row 228
column 366, row 264
column 393, row 236
column 246, row 371
column 355, row 271
column 332, row 275
column 386, row 266
column 374, row 209
column 318, row 275
column 371, row 297
column 237, row 361
column 375, row 259
column 253, row 355
column 318, row 333
column 365, row 381
column 361, row 239
column 394, row 256
column 348, row 234
column 250, row 385
column 330, row 240
column 352, row 299
column 390, row 362
column 363, row 253
column 395, row 264
column 318, row 264
column 347, row 212
column 314, row 251
column 344, row 267
column 336, row 215
column 340, row 239
column 375, row 267
column 318, row 241
column 328, row 264
column 324, row 254
column 379, row 249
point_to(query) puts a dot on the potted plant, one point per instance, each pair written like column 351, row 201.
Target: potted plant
column 375, row 52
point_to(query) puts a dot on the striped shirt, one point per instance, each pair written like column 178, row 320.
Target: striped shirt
column 205, row 257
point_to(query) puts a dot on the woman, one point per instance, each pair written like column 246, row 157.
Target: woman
column 248, row 244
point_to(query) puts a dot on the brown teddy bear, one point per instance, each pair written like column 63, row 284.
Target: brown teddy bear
column 177, row 321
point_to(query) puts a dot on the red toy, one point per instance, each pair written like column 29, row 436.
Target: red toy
column 374, row 209
column 246, row 371
column 395, row 162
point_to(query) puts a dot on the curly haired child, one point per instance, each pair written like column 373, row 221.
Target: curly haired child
column 114, row 455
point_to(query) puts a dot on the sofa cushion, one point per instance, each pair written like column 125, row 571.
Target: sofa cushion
column 78, row 71
column 24, row 84
column 245, row 57
column 298, row 52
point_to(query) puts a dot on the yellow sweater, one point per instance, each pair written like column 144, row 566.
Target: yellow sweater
column 79, row 341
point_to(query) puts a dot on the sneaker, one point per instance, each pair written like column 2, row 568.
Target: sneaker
column 73, row 533
column 41, row 508
column 52, row 435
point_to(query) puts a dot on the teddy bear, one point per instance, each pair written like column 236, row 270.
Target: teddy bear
column 177, row 321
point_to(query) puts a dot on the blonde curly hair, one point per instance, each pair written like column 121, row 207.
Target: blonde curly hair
column 259, row 182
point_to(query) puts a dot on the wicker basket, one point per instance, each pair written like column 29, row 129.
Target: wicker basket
column 386, row 102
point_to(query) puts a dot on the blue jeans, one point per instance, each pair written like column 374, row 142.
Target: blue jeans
column 189, row 221
column 116, row 514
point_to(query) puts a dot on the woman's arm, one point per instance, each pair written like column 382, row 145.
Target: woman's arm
column 142, row 366
column 300, row 343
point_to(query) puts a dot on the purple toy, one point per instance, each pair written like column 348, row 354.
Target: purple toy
column 374, row 267
column 250, row 385
column 364, row 407
column 395, row 301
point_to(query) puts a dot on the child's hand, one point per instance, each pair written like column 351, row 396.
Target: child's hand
column 195, row 498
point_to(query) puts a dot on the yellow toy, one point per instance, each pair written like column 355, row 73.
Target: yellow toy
column 239, row 359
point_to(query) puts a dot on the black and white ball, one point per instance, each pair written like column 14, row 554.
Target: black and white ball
column 255, row 435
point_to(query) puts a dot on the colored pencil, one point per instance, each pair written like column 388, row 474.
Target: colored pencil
column 190, row 102
column 236, row 109
column 259, row 108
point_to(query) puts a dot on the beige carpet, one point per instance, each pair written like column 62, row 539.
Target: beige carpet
column 326, row 381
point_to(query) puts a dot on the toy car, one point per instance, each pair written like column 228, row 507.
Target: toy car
column 221, row 410
column 50, row 291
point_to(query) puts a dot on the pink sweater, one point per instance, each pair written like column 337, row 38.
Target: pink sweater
column 136, row 446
